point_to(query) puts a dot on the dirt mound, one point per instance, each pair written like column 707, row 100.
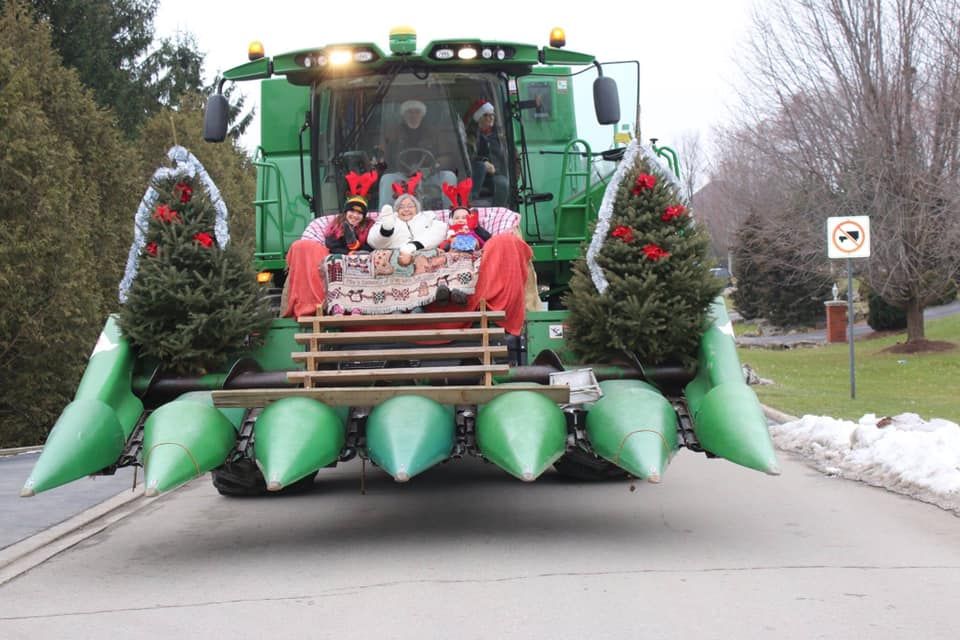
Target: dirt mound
column 920, row 346
column 876, row 335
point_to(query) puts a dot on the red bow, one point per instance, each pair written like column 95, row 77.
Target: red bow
column 165, row 214
column 410, row 186
column 644, row 182
column 204, row 238
column 184, row 190
column 624, row 233
column 673, row 211
column 459, row 195
column 654, row 252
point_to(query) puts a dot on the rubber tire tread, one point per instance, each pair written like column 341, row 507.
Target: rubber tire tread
column 580, row 465
column 242, row 479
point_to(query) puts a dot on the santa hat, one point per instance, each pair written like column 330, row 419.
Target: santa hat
column 477, row 110
column 413, row 105
column 359, row 184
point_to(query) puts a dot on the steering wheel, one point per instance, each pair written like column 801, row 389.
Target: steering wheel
column 414, row 159
column 354, row 161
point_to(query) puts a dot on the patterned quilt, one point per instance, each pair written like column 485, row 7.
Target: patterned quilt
column 376, row 283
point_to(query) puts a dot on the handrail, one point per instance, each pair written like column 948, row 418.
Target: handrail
column 668, row 154
column 262, row 200
column 565, row 175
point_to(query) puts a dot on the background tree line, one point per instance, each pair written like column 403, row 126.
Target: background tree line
column 89, row 104
column 851, row 107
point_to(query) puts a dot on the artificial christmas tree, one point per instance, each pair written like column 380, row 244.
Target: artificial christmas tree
column 192, row 301
column 645, row 286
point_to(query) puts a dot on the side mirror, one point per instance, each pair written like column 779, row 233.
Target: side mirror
column 613, row 155
column 215, row 119
column 606, row 100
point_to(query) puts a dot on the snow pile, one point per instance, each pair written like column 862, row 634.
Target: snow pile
column 904, row 454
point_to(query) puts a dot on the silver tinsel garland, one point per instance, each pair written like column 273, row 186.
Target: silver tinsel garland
column 634, row 149
column 186, row 164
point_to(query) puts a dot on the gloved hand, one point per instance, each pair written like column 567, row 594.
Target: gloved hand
column 350, row 237
column 387, row 218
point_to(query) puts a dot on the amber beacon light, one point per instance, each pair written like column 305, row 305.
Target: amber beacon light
column 255, row 50
column 558, row 37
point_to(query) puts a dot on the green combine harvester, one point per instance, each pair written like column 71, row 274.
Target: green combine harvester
column 318, row 391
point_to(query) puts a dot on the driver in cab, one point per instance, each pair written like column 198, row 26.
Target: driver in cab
column 410, row 147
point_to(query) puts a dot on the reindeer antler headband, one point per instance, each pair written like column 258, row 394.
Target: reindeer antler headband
column 359, row 184
column 459, row 195
column 409, row 186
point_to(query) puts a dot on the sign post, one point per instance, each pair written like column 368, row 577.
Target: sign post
column 849, row 237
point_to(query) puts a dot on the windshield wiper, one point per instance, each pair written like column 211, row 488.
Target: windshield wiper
column 378, row 97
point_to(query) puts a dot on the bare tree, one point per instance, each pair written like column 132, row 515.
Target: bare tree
column 693, row 163
column 859, row 114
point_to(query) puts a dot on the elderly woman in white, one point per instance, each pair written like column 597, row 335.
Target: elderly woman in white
column 408, row 229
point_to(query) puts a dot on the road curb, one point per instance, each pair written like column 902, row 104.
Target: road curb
column 778, row 416
column 22, row 556
column 15, row 451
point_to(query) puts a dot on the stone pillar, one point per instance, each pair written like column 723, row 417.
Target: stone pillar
column 836, row 320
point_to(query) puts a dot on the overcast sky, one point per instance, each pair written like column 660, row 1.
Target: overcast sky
column 687, row 49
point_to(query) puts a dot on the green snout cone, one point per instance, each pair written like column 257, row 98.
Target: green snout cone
column 182, row 440
column 727, row 416
column 294, row 438
column 634, row 427
column 730, row 423
column 86, row 438
column 407, row 435
column 522, row 432
column 91, row 432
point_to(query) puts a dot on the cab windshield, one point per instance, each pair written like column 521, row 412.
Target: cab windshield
column 439, row 124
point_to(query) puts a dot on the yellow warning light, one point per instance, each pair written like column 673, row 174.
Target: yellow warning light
column 403, row 30
column 403, row 40
column 264, row 277
column 558, row 37
column 255, row 50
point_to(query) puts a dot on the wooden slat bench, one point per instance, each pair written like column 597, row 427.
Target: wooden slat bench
column 324, row 380
column 471, row 343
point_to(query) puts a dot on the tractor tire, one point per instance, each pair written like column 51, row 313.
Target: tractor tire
column 242, row 479
column 580, row 465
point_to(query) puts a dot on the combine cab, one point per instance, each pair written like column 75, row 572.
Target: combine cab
column 407, row 391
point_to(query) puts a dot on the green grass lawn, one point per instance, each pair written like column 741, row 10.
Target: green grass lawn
column 817, row 380
column 744, row 328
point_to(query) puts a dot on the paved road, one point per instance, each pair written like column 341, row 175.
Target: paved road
column 860, row 329
column 715, row 551
column 22, row 517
